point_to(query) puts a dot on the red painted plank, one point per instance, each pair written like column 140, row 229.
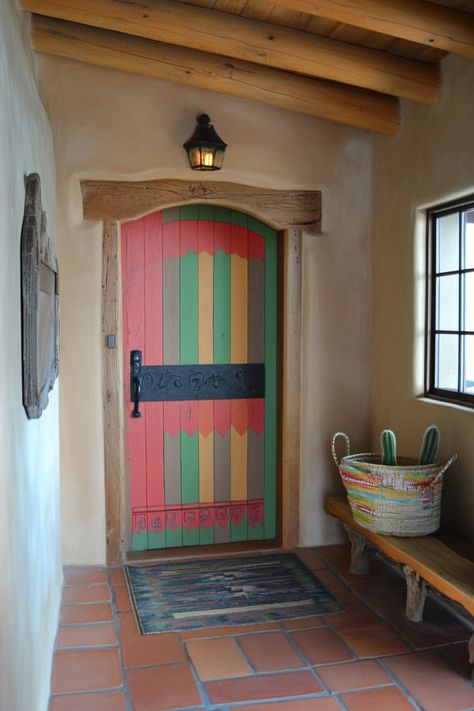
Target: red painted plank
column 153, row 355
column 222, row 416
column 171, row 418
column 153, row 290
column 134, row 338
column 155, row 475
column 256, row 415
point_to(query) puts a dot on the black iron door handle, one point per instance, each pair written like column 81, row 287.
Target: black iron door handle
column 136, row 381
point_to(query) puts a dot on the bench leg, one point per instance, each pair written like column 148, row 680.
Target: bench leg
column 416, row 594
column 471, row 655
column 359, row 552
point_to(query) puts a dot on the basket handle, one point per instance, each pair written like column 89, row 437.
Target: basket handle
column 446, row 466
column 333, row 446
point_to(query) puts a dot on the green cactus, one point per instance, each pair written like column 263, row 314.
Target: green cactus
column 430, row 446
column 388, row 443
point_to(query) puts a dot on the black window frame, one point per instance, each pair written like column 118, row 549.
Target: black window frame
column 431, row 391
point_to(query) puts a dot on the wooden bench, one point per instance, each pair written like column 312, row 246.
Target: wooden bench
column 440, row 560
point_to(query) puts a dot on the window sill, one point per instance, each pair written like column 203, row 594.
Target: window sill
column 445, row 403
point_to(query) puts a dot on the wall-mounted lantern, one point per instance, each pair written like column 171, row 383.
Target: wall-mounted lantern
column 205, row 148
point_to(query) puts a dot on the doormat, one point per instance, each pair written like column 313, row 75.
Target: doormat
column 179, row 596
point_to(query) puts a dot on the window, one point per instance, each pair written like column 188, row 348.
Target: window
column 451, row 297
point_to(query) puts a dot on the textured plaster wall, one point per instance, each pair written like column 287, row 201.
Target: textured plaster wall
column 430, row 161
column 113, row 125
column 29, row 463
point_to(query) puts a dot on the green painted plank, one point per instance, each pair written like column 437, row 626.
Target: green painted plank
column 140, row 541
column 156, row 540
column 238, row 218
column 260, row 228
column 169, row 214
column 206, row 212
column 174, row 539
column 206, row 536
column 189, row 447
column 270, row 383
column 188, row 309
column 189, row 212
column 239, row 533
column 221, row 307
column 256, row 533
column 221, row 214
column 191, row 537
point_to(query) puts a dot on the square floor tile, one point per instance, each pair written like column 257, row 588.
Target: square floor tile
column 217, row 658
column 84, row 575
column 432, row 682
column 139, row 650
column 387, row 699
column 371, row 640
column 82, row 614
column 270, row 651
column 85, row 593
column 102, row 635
column 325, row 704
column 163, row 688
column 353, row 675
column 106, row 701
column 263, row 686
column 321, row 646
column 85, row 670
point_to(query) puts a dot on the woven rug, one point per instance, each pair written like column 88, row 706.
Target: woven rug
column 179, row 596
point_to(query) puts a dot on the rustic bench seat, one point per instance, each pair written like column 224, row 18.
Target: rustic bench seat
column 440, row 560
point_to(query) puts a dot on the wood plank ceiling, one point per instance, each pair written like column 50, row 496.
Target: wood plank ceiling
column 348, row 61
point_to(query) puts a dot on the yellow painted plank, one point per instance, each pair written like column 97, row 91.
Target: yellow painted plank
column 206, row 307
column 238, row 308
column 238, row 466
column 206, row 468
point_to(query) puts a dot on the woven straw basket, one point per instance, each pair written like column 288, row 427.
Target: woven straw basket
column 402, row 500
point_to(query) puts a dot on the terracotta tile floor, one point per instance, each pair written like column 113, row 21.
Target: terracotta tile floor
column 367, row 658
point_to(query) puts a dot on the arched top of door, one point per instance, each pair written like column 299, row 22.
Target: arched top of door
column 117, row 201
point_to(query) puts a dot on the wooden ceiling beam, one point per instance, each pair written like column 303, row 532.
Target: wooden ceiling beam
column 253, row 41
column 335, row 102
column 414, row 20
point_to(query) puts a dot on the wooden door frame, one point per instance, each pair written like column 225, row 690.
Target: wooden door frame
column 291, row 213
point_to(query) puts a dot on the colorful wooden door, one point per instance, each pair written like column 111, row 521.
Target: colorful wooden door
column 199, row 288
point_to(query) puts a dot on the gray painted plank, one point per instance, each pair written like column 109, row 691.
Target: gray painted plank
column 255, row 465
column 256, row 306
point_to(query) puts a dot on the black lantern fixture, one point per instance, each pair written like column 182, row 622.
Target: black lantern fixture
column 205, row 148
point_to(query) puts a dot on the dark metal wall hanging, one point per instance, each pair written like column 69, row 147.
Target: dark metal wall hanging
column 40, row 304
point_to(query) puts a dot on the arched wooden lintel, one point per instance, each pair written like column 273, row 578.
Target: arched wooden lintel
column 291, row 212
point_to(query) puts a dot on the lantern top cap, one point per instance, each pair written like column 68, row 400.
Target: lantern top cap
column 205, row 134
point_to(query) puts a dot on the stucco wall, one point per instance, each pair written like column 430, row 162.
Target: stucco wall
column 29, row 470
column 430, row 161
column 112, row 125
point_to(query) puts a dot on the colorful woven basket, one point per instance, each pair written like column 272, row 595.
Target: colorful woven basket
column 402, row 500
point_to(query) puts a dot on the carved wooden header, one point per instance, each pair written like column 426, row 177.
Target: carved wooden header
column 126, row 200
